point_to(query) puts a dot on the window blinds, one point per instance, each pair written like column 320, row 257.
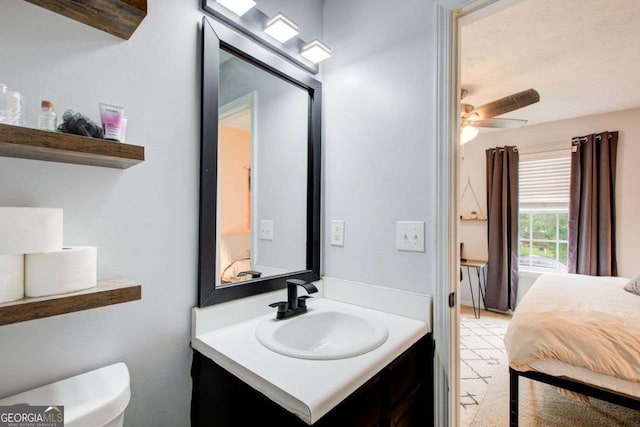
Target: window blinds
column 544, row 183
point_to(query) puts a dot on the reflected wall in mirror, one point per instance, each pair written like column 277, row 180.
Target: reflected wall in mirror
column 263, row 132
column 260, row 169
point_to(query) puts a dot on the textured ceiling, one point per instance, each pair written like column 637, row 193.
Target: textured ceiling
column 582, row 56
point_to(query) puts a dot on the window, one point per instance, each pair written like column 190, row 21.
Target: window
column 544, row 212
column 543, row 239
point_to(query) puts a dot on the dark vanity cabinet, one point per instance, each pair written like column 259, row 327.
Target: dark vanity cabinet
column 400, row 395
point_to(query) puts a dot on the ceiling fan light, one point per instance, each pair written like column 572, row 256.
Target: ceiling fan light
column 468, row 133
column 239, row 7
column 281, row 28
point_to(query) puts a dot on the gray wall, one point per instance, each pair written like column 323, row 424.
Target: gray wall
column 378, row 139
column 143, row 220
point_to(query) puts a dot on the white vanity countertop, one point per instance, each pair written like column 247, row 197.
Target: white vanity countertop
column 307, row 388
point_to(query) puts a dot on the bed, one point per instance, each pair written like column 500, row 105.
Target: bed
column 578, row 333
column 235, row 257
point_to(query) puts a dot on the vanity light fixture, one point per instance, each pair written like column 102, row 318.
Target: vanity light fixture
column 281, row 28
column 316, row 51
column 468, row 133
column 277, row 33
column 239, row 7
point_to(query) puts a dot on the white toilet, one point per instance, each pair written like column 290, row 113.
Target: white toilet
column 93, row 399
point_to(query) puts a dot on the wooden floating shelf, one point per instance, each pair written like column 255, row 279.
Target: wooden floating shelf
column 118, row 17
column 472, row 219
column 108, row 292
column 35, row 144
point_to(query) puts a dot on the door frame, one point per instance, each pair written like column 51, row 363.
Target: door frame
column 446, row 326
column 445, row 318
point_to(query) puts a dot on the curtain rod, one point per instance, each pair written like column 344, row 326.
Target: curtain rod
column 503, row 148
column 579, row 139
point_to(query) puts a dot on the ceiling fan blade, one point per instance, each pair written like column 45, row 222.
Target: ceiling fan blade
column 497, row 123
column 507, row 104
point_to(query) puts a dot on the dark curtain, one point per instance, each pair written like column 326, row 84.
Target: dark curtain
column 592, row 219
column 502, row 217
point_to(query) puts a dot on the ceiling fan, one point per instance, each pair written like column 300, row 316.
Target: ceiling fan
column 471, row 118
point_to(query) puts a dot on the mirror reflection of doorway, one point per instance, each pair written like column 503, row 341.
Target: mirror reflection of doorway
column 235, row 195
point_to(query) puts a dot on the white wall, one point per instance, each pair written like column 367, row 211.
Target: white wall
column 378, row 139
column 281, row 179
column 378, row 123
column 143, row 220
column 559, row 134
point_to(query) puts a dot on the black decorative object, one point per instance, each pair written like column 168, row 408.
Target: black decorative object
column 79, row 124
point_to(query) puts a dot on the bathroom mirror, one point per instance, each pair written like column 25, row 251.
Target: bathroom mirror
column 260, row 169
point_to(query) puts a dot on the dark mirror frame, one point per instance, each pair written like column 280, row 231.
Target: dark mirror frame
column 217, row 36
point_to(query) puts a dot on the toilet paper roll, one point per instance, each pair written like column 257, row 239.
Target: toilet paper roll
column 59, row 272
column 30, row 230
column 11, row 277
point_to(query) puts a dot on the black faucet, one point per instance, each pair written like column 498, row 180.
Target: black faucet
column 294, row 305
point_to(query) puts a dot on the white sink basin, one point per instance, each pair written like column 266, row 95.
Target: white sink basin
column 323, row 335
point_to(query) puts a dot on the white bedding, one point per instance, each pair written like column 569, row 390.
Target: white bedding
column 235, row 256
column 230, row 274
column 581, row 327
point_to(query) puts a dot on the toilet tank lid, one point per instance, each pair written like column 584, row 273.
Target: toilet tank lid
column 93, row 398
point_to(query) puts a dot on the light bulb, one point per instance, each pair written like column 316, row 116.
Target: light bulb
column 316, row 51
column 468, row 133
column 281, row 28
column 239, row 7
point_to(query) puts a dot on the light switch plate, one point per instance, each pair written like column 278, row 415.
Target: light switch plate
column 337, row 233
column 266, row 229
column 410, row 236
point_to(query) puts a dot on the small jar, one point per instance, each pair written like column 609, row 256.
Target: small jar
column 47, row 117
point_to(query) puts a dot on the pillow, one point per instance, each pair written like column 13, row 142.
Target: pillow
column 634, row 285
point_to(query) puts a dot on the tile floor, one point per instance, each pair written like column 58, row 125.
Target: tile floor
column 481, row 350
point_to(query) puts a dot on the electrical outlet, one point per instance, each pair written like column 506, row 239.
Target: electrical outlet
column 337, row 233
column 410, row 236
column 266, row 229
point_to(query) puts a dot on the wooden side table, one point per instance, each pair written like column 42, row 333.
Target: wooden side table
column 481, row 272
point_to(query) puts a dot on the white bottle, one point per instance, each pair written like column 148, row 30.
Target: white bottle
column 47, row 117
